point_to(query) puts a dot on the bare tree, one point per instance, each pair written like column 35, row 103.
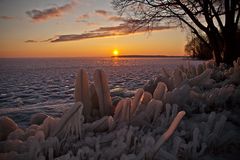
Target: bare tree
column 218, row 19
column 198, row 49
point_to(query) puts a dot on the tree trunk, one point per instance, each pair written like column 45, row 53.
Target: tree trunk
column 215, row 43
column 230, row 52
column 217, row 55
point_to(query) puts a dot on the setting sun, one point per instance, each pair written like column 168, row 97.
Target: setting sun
column 115, row 52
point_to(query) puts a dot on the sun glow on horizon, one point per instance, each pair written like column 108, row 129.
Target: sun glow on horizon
column 115, row 52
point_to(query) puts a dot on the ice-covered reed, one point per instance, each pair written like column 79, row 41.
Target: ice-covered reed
column 150, row 125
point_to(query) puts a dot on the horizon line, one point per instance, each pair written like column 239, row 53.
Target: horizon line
column 146, row 55
column 111, row 56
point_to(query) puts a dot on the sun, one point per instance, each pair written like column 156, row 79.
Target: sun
column 115, row 52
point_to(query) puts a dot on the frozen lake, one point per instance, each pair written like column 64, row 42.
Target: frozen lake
column 28, row 86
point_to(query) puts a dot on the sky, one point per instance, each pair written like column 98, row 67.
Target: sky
column 77, row 28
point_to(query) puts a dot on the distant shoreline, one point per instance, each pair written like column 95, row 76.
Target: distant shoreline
column 119, row 56
column 148, row 56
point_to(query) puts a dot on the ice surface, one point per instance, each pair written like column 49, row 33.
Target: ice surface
column 193, row 114
column 46, row 83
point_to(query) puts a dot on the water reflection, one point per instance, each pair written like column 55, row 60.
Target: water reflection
column 115, row 61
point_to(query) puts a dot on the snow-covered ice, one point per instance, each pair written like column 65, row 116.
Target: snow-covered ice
column 30, row 86
column 190, row 112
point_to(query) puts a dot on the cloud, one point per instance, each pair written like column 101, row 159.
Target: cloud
column 87, row 22
column 31, row 41
column 91, row 24
column 37, row 41
column 116, row 18
column 82, row 17
column 122, row 29
column 109, row 16
column 7, row 17
column 85, row 18
column 103, row 13
column 54, row 12
column 119, row 30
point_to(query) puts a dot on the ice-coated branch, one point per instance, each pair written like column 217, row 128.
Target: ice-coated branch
column 160, row 91
column 70, row 123
column 200, row 79
column 103, row 93
column 169, row 132
column 136, row 100
column 82, row 93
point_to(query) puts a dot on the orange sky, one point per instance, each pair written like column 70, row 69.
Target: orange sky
column 83, row 31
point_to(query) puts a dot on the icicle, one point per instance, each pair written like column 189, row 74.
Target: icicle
column 94, row 100
column 129, row 137
column 126, row 115
column 70, row 123
column 166, row 74
column 118, row 110
column 38, row 118
column 169, row 132
column 104, row 124
column 160, row 91
column 51, row 142
column 17, row 134
column 177, row 78
column 176, row 144
column 82, row 93
column 49, row 125
column 146, row 97
column 39, row 135
column 198, row 80
column 195, row 142
column 136, row 100
column 193, row 70
column 153, row 110
column 7, row 125
column 104, row 98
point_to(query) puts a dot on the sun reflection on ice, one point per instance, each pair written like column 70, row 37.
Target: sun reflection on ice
column 115, row 61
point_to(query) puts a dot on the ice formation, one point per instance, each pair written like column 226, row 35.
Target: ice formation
column 191, row 113
column 38, row 118
column 82, row 93
column 7, row 126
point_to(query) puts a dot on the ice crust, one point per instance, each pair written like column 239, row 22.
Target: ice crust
column 191, row 113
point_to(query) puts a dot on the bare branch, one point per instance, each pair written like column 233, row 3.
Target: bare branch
column 193, row 18
column 216, row 15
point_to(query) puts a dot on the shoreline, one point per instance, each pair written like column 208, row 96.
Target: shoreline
column 148, row 56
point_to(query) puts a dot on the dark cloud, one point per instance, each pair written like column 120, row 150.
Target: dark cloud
column 73, row 37
column 7, row 17
column 42, row 15
column 103, row 13
column 122, row 29
column 38, row 41
column 31, row 41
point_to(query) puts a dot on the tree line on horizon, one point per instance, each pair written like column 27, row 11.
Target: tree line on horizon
column 214, row 23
